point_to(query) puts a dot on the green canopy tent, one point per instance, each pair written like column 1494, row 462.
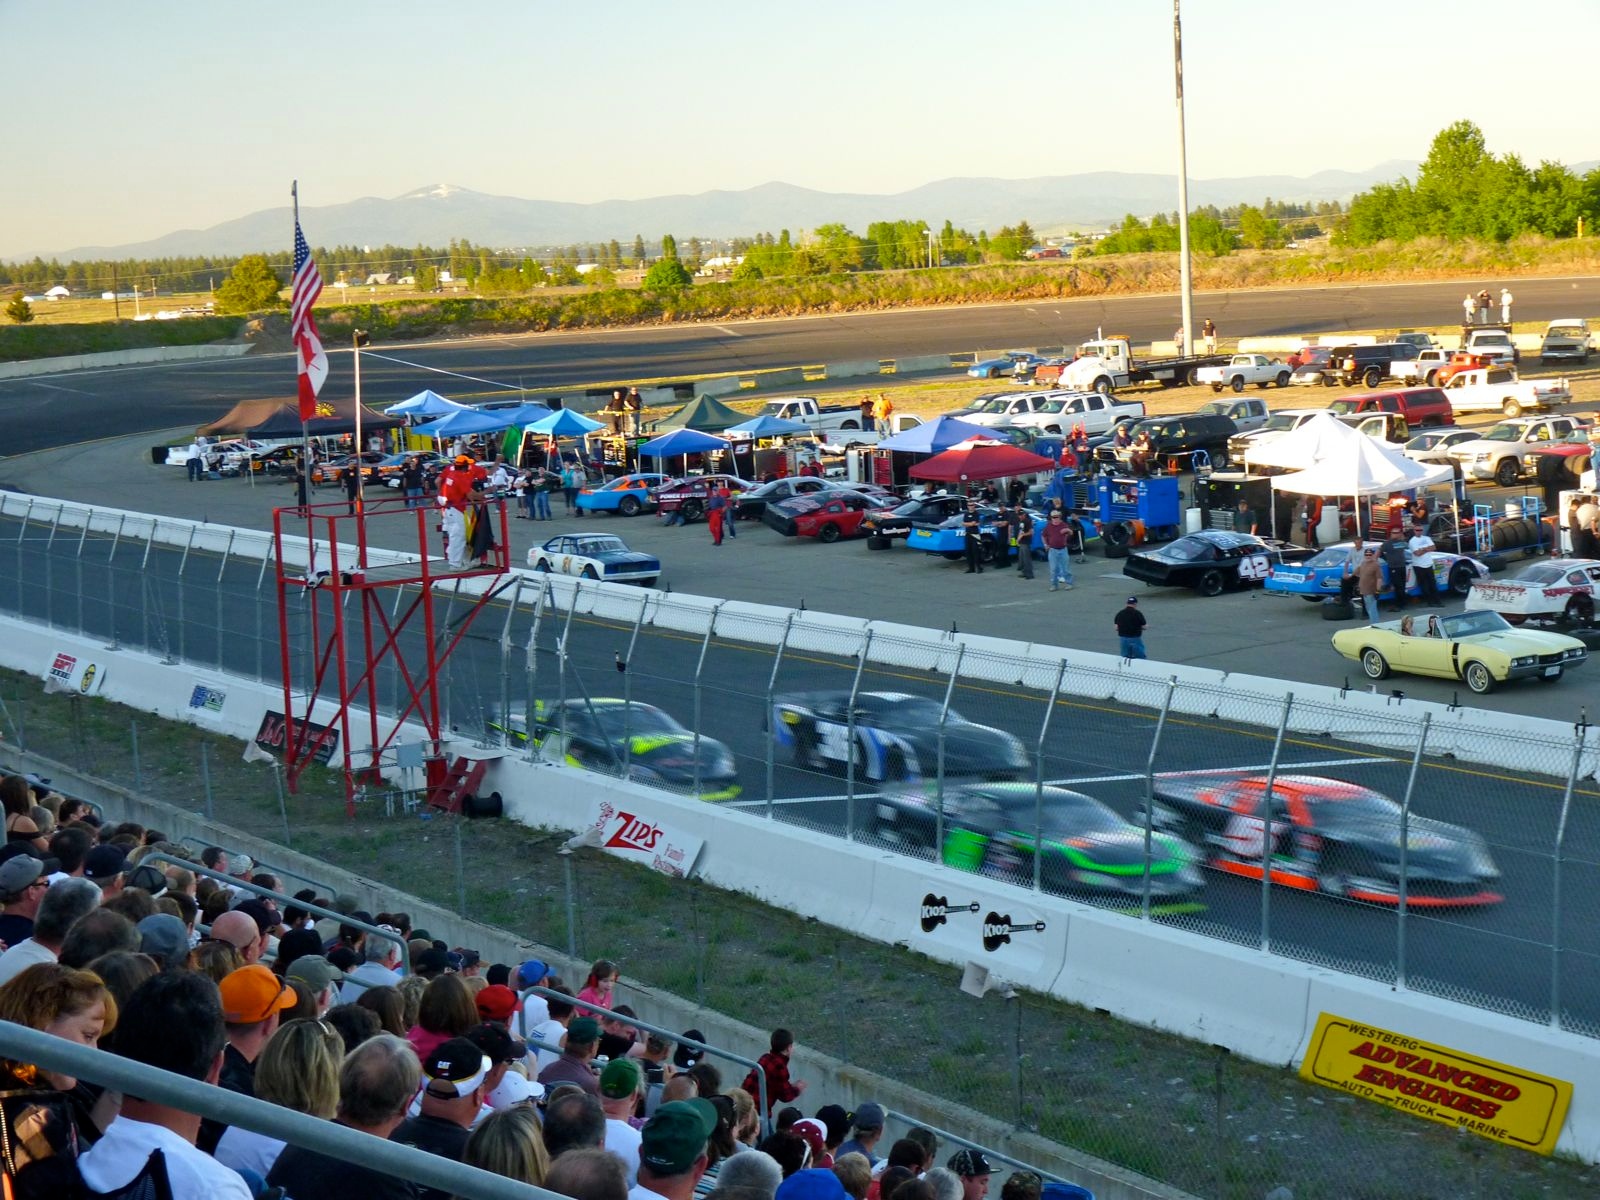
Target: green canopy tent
column 704, row 413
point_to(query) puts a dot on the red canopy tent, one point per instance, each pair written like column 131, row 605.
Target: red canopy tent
column 981, row 460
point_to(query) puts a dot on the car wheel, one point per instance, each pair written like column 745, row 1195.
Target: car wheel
column 692, row 510
column 1507, row 471
column 851, row 425
column 1511, row 408
column 1103, row 386
column 1579, row 611
column 1216, row 387
column 629, row 506
column 1055, row 429
column 1219, row 459
column 1371, row 377
column 952, row 555
column 1431, row 379
column 1333, row 878
column 543, row 566
column 1210, row 583
column 1192, row 377
column 1329, row 381
column 1237, row 383
column 1373, row 664
column 1461, row 577
column 1283, row 379
column 1478, row 677
column 806, row 755
column 828, row 533
column 590, row 573
column 986, row 550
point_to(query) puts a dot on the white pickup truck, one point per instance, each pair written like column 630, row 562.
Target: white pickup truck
column 1246, row 368
column 1424, row 368
column 1494, row 342
column 1006, row 408
column 1505, row 451
column 1096, row 413
column 1497, row 389
column 847, row 439
column 813, row 415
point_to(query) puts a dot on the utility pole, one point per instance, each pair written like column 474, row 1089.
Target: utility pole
column 1186, row 279
column 116, row 300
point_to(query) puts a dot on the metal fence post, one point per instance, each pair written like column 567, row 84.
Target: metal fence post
column 938, row 779
column 1266, row 826
column 1038, row 798
column 461, row 866
column 626, row 666
column 699, row 667
column 505, row 665
column 566, row 853
column 1555, row 875
column 205, row 778
column 850, row 740
column 283, row 802
column 1405, row 835
column 529, row 703
column 768, row 721
column 1150, row 795
column 561, row 667
column 133, row 743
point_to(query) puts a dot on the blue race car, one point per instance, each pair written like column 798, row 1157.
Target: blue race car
column 1017, row 363
column 1319, row 576
column 629, row 495
column 948, row 538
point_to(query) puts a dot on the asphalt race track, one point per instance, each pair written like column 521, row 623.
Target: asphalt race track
column 41, row 412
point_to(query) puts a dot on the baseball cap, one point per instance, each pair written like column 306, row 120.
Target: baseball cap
column 1133, row 599
column 836, row 1119
column 620, row 1079
column 252, row 994
column 104, row 862
column 19, row 872
column 685, row 1057
column 968, row 1163
column 496, row 1002
column 869, row 1116
column 495, row 1040
column 814, row 1132
column 315, row 970
column 463, row 459
column 147, row 877
column 431, row 961
column 583, row 1030
column 676, row 1136
column 512, row 1090
column 532, row 973
column 456, row 1067
column 814, row 1183
column 164, row 938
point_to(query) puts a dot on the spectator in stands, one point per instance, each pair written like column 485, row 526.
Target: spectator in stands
column 552, row 1031
column 69, row 847
column 599, row 990
column 686, row 1056
column 928, row 1140
column 252, row 1000
column 746, row 1121
column 915, row 1189
column 97, row 933
column 17, row 799
column 573, row 1120
column 446, row 1012
column 786, row 1116
column 535, row 1009
column 293, row 944
column 215, row 959
column 322, row 980
column 503, row 1050
column 617, row 1037
column 818, row 1184
column 973, row 1169
column 355, row 1024
column 774, row 1064
column 573, row 1066
column 1022, row 1185
column 214, row 858
column 173, row 1022
column 381, row 966
column 679, row 1087
column 298, row 1070
column 706, row 1077
column 588, row 1174
column 672, row 1150
column 788, row 1150
column 452, row 1097
column 390, row 1007
column 104, row 865
column 376, row 1084
column 165, row 939
column 753, row 1172
column 429, row 962
column 241, row 932
column 305, row 1006
column 23, row 882
column 46, row 1117
column 267, row 921
column 837, row 1122
column 63, row 906
column 496, row 1002
column 123, row 974
column 182, row 881
column 508, row 1143
column 133, row 903
column 866, row 1130
column 888, row 1182
column 620, row 1085
column 945, row 1183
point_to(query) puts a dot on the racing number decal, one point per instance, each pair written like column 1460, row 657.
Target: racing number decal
column 566, row 565
column 1243, row 835
column 1254, row 566
column 833, row 740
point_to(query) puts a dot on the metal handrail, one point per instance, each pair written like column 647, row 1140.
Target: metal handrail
column 986, row 1151
column 325, row 889
column 317, row 910
column 22, row 1044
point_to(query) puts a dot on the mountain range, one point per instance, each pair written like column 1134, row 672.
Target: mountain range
column 433, row 215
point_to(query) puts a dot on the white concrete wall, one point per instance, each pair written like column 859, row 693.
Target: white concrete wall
column 120, row 358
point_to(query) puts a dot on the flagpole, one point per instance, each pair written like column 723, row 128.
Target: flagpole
column 305, row 434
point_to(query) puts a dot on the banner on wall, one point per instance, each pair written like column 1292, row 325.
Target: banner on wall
column 659, row 847
column 272, row 735
column 74, row 671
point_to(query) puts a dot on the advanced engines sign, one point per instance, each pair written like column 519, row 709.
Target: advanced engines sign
column 1494, row 1101
column 70, row 672
column 657, row 846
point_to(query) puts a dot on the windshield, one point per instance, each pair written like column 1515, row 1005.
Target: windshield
column 613, row 719
column 1502, row 433
column 1426, row 441
column 1355, row 807
column 998, row 405
column 1189, row 550
column 1283, row 421
column 1068, row 815
column 1542, row 574
column 1468, row 624
column 600, row 545
column 1344, row 406
column 909, row 712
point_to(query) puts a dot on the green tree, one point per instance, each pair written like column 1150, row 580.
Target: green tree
column 1257, row 230
column 19, row 310
column 250, row 287
column 746, row 272
column 638, row 249
column 601, row 278
column 427, row 277
column 613, row 254
column 667, row 275
column 839, row 249
column 669, row 246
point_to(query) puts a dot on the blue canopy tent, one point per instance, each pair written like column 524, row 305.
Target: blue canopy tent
column 546, row 423
column 467, row 421
column 937, row 436
column 766, row 426
column 425, row 404
column 684, row 442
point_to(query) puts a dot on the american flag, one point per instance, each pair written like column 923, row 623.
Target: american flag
column 311, row 362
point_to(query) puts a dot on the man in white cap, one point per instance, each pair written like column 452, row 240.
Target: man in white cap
column 1421, row 547
column 452, row 1094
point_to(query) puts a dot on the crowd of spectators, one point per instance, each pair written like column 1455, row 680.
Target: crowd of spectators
column 219, row 984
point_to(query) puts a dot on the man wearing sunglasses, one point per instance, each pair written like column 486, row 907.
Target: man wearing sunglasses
column 23, row 882
column 252, row 999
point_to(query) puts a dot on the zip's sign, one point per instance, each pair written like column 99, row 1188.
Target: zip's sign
column 659, row 847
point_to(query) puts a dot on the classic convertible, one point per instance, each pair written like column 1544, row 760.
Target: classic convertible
column 1212, row 560
column 595, row 556
column 1480, row 648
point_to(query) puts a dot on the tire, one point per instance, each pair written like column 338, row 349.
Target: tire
column 1373, row 664
column 853, row 426
column 1579, row 611
column 692, row 510
column 805, row 751
column 590, row 573
column 1461, row 577
column 1103, row 386
column 1507, row 471
column 543, row 567
column 1055, row 429
column 1511, row 408
column 1431, row 379
column 1192, row 376
column 1371, row 377
column 1216, row 387
column 828, row 533
column 1210, row 583
column 1332, row 877
column 1219, row 459
column 952, row 555
column 629, row 507
column 1477, row 677
column 1283, row 379
column 1237, row 383
column 1329, row 381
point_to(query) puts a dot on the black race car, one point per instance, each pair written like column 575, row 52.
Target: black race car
column 1212, row 560
column 750, row 505
column 896, row 737
column 1327, row 835
column 622, row 737
column 1088, row 849
column 897, row 521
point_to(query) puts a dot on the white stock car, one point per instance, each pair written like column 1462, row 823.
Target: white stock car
column 595, row 556
column 1556, row 588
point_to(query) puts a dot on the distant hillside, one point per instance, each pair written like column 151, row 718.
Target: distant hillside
column 434, row 215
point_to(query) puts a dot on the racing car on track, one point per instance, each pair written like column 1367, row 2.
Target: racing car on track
column 1212, row 561
column 1320, row 576
column 1088, row 848
column 895, row 736
column 1481, row 649
column 1562, row 588
column 595, row 556
column 1326, row 835
column 827, row 515
column 625, row 737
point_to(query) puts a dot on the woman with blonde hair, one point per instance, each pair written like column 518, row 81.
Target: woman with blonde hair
column 509, row 1143
column 215, row 958
column 446, row 1011
column 298, row 1070
column 411, row 989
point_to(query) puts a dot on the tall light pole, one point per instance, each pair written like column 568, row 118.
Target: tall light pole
column 1186, row 280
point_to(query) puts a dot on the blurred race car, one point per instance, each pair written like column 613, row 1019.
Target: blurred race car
column 1326, row 835
column 1017, row 363
column 629, row 738
column 629, row 495
column 896, row 737
column 1212, row 561
column 595, row 556
column 827, row 515
column 1088, row 848
column 1563, row 587
column 1319, row 576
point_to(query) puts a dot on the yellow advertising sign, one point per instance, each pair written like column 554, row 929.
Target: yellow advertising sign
column 1505, row 1104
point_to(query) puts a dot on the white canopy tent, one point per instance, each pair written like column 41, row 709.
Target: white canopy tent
column 1367, row 467
column 1321, row 437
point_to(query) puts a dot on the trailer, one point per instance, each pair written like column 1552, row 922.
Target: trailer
column 1108, row 363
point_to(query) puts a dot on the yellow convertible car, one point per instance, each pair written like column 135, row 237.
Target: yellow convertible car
column 1479, row 648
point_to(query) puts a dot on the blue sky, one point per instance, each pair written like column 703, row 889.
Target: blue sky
column 139, row 119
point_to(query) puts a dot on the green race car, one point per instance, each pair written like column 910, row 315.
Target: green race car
column 1089, row 851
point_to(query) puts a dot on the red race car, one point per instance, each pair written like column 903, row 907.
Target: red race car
column 1326, row 835
column 826, row 516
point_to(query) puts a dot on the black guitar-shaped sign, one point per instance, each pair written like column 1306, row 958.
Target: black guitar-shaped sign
column 997, row 930
column 936, row 911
